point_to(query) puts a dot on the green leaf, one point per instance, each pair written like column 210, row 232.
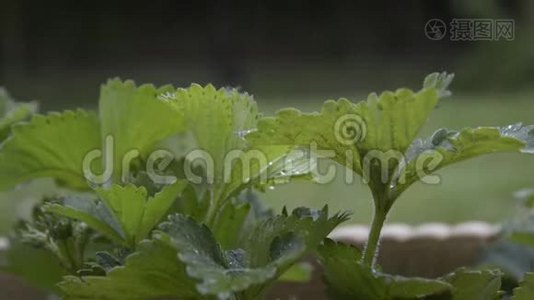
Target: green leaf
column 55, row 145
column 525, row 291
column 92, row 212
column 447, row 147
column 284, row 239
column 12, row 112
column 153, row 272
column 49, row 146
column 127, row 204
column 469, row 284
column 272, row 247
column 293, row 128
column 217, row 120
column 157, row 206
column 136, row 211
column 193, row 202
column 125, row 214
column 220, row 273
column 229, row 223
column 347, row 278
column 386, row 122
column 136, row 118
column 278, row 165
column 310, row 225
column 238, row 218
column 400, row 287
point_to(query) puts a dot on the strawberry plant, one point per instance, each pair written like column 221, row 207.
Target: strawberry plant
column 141, row 232
column 157, row 191
column 377, row 140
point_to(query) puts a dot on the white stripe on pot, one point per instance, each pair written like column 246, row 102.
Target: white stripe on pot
column 403, row 232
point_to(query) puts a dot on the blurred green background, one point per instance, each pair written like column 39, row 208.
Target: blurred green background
column 290, row 54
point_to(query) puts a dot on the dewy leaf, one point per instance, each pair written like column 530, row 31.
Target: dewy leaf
column 136, row 118
column 525, row 291
column 313, row 226
column 282, row 240
column 220, row 273
column 49, row 146
column 475, row 284
column 217, row 120
column 291, row 127
column 348, row 279
column 447, row 147
column 268, row 166
column 136, row 211
column 271, row 248
column 382, row 123
column 153, row 272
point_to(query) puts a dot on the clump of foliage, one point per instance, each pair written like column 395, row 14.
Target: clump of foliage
column 392, row 121
column 132, row 238
column 121, row 234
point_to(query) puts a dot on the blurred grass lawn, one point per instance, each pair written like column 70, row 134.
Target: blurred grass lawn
column 480, row 189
